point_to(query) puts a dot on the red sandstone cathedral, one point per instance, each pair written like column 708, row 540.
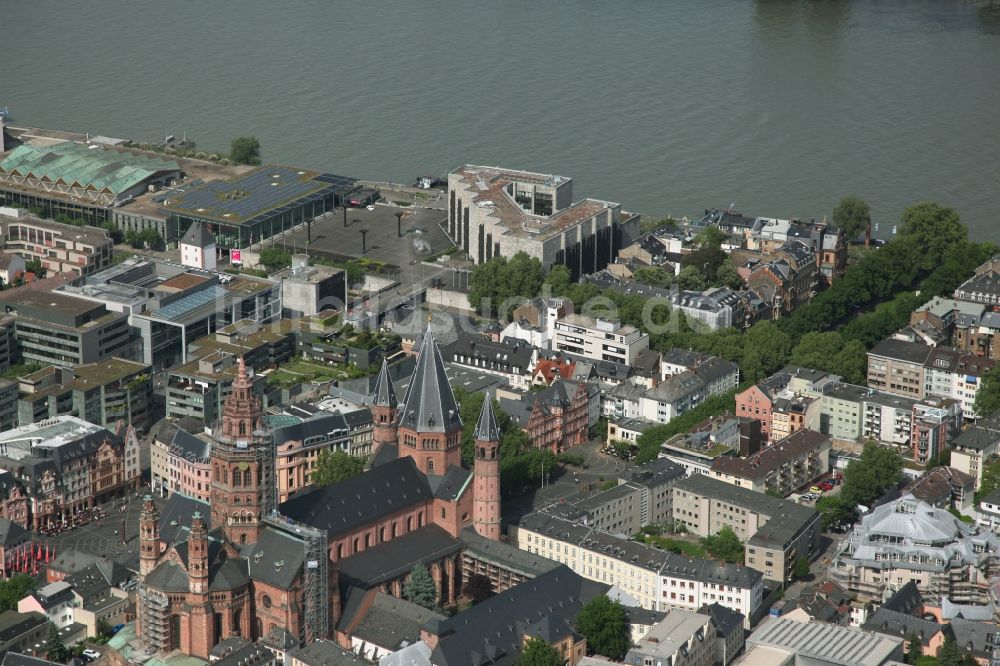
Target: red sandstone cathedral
column 241, row 566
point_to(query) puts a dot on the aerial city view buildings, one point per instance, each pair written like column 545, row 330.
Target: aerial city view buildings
column 261, row 414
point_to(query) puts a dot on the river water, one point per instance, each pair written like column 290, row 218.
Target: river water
column 666, row 106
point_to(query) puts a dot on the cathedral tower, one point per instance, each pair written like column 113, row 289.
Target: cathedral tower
column 239, row 476
column 149, row 537
column 430, row 428
column 486, row 474
column 385, row 408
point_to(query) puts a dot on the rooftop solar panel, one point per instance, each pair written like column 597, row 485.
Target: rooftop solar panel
column 263, row 190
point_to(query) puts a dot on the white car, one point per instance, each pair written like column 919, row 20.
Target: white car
column 91, row 654
column 370, row 206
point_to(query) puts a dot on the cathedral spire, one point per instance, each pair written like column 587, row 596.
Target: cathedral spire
column 429, row 404
column 384, row 394
column 486, row 427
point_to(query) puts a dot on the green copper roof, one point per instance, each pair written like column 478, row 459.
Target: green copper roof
column 280, row 420
column 90, row 167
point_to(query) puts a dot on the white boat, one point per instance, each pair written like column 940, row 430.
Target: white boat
column 4, row 112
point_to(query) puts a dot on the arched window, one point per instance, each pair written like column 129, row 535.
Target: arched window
column 236, row 477
column 225, row 475
column 409, row 523
column 395, row 529
column 247, row 478
column 340, row 551
column 368, row 540
column 216, row 472
column 430, row 465
column 381, row 534
column 357, row 544
column 243, row 427
column 482, row 452
column 420, row 519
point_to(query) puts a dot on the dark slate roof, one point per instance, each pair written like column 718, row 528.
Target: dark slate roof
column 384, row 395
column 388, row 622
column 486, row 427
column 726, row 620
column 168, row 577
column 506, row 356
column 450, row 485
column 197, row 234
column 903, row 350
column 894, row 623
column 504, row 555
column 71, row 561
column 190, row 447
column 974, row 637
column 906, row 599
column 175, row 520
column 251, row 655
column 382, row 490
column 429, row 404
column 394, row 558
column 14, row 624
column 228, row 645
column 273, row 547
column 385, row 453
column 324, row 426
column 327, row 653
column 492, row 632
column 12, row 533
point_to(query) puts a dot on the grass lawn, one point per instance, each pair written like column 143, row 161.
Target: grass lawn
column 673, row 545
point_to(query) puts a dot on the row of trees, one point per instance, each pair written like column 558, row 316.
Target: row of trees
column 148, row 238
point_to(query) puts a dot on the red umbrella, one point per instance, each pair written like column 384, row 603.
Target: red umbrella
column 48, row 555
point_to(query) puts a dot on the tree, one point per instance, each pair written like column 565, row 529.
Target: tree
column 420, row 588
column 245, row 150
column 852, row 215
column 934, row 229
column 724, row 545
column 274, row 259
column 835, row 510
column 55, row 649
column 765, row 349
column 537, row 652
column 988, row 395
column 604, row 624
column 991, row 479
column 496, row 285
column 914, row 649
column 878, row 469
column 478, row 588
column 14, row 589
column 801, row 568
column 829, row 351
column 558, row 280
column 336, row 466
column 728, row 276
column 691, row 278
column 949, row 654
column 653, row 276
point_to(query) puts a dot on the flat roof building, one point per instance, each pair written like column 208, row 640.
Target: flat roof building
column 250, row 207
column 52, row 328
column 60, row 248
column 500, row 212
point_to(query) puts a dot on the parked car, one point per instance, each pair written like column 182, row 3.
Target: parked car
column 826, row 485
column 816, row 490
column 91, row 654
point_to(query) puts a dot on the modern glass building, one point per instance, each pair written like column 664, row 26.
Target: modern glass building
column 256, row 205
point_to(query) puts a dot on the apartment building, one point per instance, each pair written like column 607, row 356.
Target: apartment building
column 971, row 449
column 300, row 444
column 682, row 392
column 509, row 359
column 842, row 410
column 599, row 339
column 180, row 460
column 60, row 248
column 657, row 579
column 777, row 532
column 793, row 463
column 8, row 404
column 105, row 393
column 695, row 451
column 560, row 415
column 897, row 367
column 642, row 497
column 51, row 328
column 792, row 385
column 790, row 414
column 681, row 638
column 64, row 465
column 949, row 373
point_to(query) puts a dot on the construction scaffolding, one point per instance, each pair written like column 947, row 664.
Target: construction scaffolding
column 154, row 618
column 315, row 575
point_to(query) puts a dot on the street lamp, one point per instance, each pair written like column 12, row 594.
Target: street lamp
column 364, row 245
column 399, row 222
